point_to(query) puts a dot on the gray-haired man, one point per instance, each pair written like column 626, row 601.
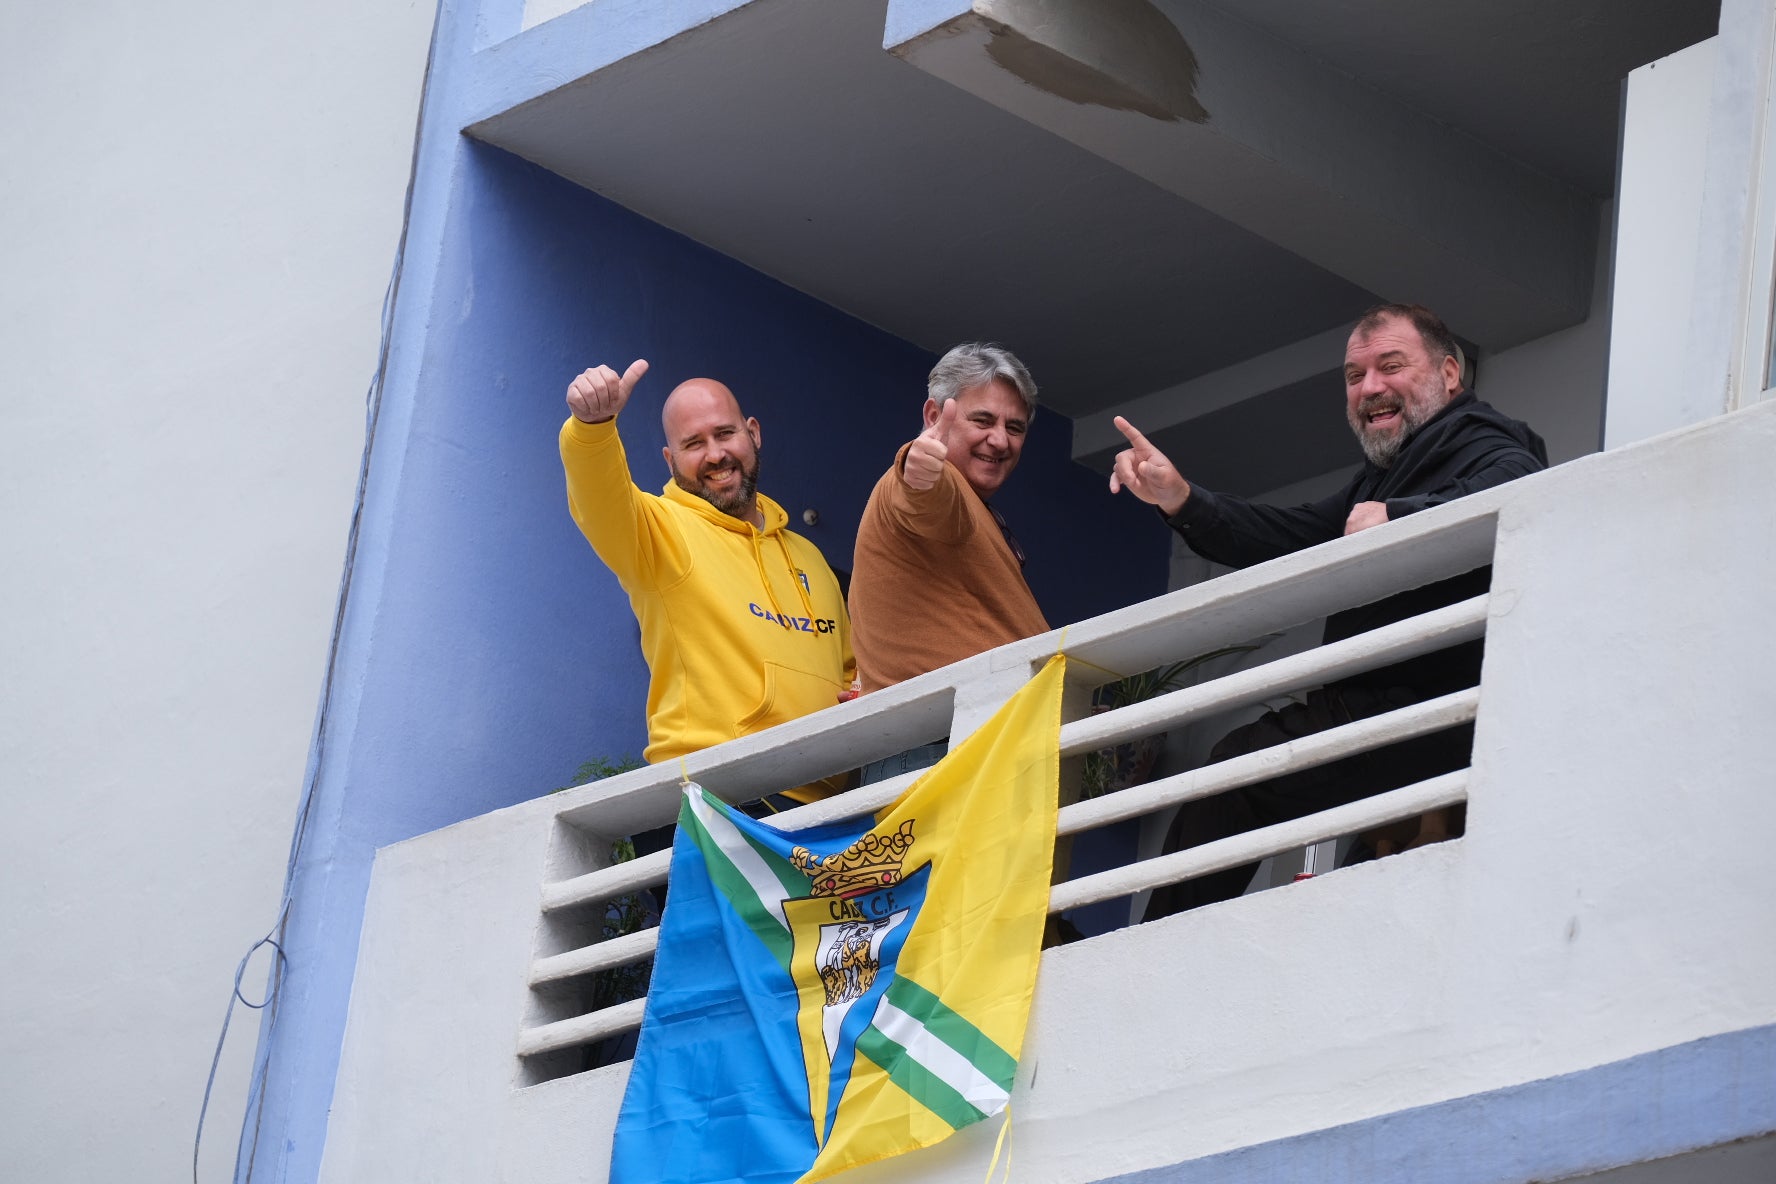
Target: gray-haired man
column 937, row 576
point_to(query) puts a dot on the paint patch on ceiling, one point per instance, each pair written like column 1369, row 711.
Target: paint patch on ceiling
column 1124, row 55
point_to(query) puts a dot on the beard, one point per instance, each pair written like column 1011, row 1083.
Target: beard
column 736, row 502
column 1417, row 408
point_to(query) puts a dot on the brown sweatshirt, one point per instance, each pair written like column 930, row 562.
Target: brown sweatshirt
column 933, row 580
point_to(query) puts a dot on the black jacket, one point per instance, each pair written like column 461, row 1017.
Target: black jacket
column 1466, row 447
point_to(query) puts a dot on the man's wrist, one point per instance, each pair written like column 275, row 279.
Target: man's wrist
column 1197, row 511
column 1174, row 505
column 590, row 433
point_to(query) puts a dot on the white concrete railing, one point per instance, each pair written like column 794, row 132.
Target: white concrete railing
column 953, row 701
column 1609, row 898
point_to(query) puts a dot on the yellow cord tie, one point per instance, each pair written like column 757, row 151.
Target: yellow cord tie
column 1061, row 649
column 1114, row 674
column 684, row 773
column 999, row 1145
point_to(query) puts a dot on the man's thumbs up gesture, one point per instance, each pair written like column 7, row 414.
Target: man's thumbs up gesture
column 925, row 459
column 597, row 395
column 1145, row 472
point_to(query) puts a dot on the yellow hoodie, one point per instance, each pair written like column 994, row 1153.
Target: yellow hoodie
column 742, row 628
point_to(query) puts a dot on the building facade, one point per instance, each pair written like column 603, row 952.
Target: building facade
column 1172, row 213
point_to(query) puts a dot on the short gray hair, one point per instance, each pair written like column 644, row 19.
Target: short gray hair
column 974, row 363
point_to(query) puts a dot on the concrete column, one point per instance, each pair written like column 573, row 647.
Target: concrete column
column 1655, row 383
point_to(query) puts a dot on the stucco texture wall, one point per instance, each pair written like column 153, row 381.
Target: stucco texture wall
column 200, row 208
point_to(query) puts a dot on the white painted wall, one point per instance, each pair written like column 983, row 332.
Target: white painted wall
column 198, row 214
column 1729, row 320
column 1609, row 898
column 1656, row 382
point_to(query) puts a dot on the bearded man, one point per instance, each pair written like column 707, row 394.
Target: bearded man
column 742, row 622
column 1425, row 442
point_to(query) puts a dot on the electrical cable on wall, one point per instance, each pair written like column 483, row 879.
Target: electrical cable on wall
column 249, row 1140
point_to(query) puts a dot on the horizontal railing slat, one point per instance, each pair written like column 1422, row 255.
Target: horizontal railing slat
column 1320, row 748
column 603, row 955
column 863, row 800
column 1397, row 642
column 581, row 1029
column 1392, row 806
column 644, row 871
column 636, row 946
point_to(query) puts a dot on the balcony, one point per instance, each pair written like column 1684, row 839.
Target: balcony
column 1579, row 983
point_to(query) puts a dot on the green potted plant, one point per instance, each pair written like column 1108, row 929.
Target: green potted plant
column 1122, row 765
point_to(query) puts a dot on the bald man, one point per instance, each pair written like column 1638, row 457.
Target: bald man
column 742, row 622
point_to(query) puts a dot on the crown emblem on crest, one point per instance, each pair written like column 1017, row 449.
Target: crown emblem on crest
column 870, row 863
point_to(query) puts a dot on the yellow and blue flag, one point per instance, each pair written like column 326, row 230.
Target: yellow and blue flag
column 833, row 996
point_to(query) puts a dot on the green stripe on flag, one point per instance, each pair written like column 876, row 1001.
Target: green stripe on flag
column 795, row 884
column 920, row 1084
column 994, row 1063
column 738, row 890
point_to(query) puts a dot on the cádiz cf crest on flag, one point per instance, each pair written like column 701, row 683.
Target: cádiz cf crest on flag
column 833, row 996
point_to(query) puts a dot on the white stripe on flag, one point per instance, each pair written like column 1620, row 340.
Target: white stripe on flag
column 740, row 853
column 956, row 1070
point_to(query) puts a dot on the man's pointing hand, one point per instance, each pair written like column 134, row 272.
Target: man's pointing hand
column 598, row 395
column 925, row 459
column 1145, row 472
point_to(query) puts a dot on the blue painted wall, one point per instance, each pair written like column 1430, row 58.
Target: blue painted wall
column 1088, row 552
column 487, row 651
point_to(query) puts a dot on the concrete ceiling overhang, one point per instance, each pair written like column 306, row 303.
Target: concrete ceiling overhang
column 1238, row 122
column 1122, row 248
column 783, row 136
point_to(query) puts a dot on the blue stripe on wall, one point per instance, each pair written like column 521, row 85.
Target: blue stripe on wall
column 1664, row 1103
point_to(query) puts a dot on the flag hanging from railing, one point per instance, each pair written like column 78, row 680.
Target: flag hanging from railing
column 829, row 997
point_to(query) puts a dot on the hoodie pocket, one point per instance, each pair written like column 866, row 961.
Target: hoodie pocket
column 789, row 694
